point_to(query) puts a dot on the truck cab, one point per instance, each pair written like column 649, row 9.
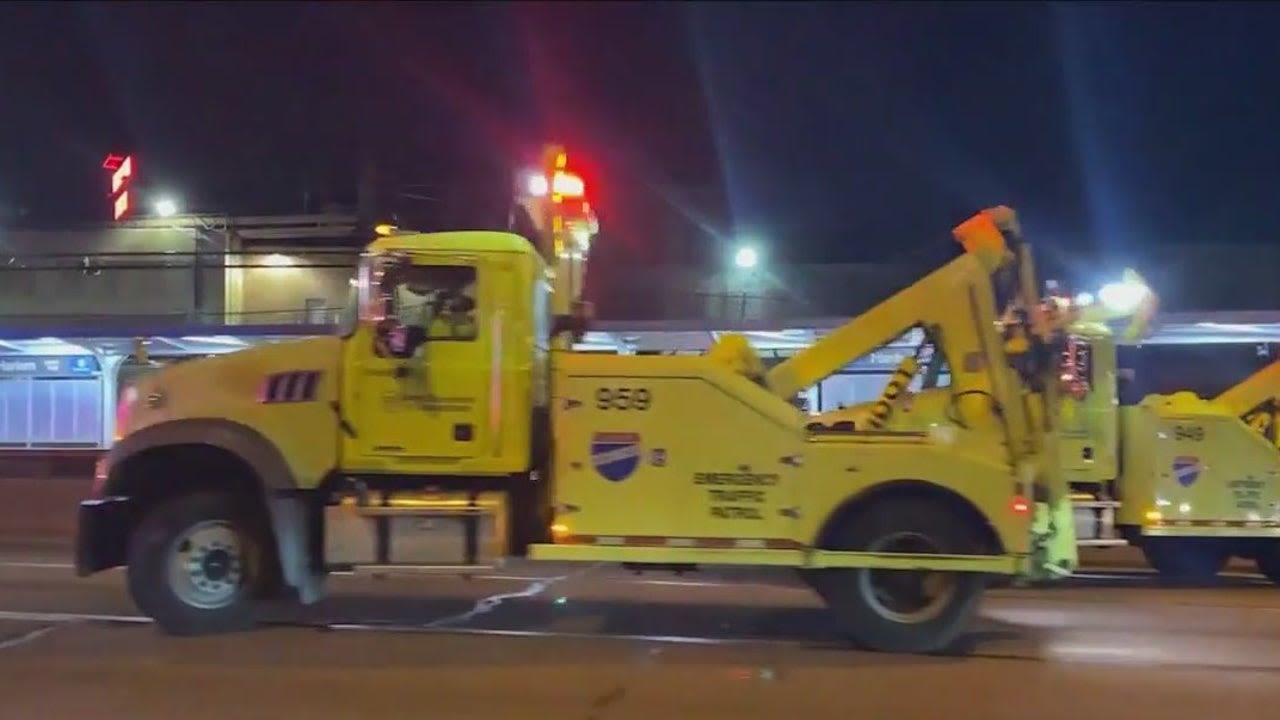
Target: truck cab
column 448, row 364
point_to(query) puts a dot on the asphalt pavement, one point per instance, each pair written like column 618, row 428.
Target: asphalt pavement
column 536, row 641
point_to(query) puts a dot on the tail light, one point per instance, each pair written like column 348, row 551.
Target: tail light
column 1019, row 505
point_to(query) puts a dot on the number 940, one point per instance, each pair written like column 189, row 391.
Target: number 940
column 623, row 398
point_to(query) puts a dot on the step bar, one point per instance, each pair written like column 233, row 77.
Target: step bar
column 1103, row 522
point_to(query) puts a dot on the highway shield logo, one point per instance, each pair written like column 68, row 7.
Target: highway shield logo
column 1186, row 470
column 615, row 455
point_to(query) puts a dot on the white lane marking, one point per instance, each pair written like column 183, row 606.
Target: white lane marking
column 1098, row 574
column 411, row 574
column 666, row 639
column 705, row 583
column 489, row 604
column 492, row 578
column 435, row 628
column 58, row 617
column 28, row 637
column 674, row 583
column 517, row 578
column 551, row 578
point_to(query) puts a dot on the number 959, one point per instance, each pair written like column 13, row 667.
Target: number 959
column 623, row 398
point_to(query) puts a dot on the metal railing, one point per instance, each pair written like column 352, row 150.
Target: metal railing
column 93, row 264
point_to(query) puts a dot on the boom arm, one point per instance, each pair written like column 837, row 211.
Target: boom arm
column 1253, row 391
column 984, row 313
column 962, row 325
column 965, row 325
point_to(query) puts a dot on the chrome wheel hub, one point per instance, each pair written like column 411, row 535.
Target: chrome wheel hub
column 206, row 565
column 906, row 596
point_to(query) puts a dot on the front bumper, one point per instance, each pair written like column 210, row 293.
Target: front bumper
column 102, row 534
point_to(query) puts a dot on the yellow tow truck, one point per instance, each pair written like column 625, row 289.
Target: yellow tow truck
column 1190, row 481
column 451, row 425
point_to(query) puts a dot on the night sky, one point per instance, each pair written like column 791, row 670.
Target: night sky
column 833, row 131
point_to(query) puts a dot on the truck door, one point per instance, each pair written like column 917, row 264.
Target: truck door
column 429, row 406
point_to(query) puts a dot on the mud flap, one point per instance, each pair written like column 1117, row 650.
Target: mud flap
column 289, row 521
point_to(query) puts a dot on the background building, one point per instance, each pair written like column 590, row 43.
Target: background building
column 74, row 304
column 196, row 269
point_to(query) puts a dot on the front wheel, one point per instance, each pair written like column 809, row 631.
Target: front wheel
column 903, row 610
column 196, row 565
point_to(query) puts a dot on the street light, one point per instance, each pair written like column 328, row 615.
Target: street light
column 746, row 258
column 166, row 207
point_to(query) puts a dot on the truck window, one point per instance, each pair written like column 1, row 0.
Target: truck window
column 440, row 299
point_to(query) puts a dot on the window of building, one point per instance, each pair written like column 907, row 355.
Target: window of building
column 51, row 412
column 317, row 309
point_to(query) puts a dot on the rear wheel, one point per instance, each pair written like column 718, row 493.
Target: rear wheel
column 1190, row 560
column 903, row 610
column 196, row 565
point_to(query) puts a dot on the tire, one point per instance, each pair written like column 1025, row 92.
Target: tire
column 529, row 523
column 1267, row 559
column 1190, row 560
column 215, row 532
column 864, row 615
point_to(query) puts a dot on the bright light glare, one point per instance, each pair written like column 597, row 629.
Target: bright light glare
column 564, row 184
column 166, row 207
column 568, row 185
column 1084, row 298
column 1123, row 297
column 277, row 260
column 746, row 257
column 538, row 185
